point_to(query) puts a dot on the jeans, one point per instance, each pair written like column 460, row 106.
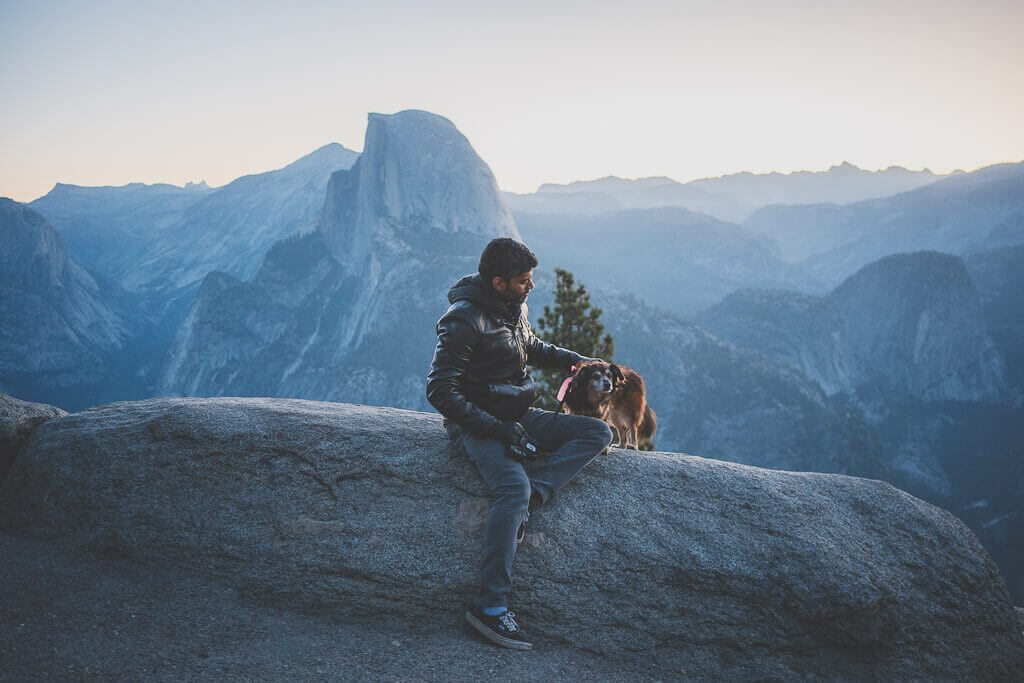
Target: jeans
column 571, row 441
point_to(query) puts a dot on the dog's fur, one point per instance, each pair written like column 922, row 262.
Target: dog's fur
column 615, row 394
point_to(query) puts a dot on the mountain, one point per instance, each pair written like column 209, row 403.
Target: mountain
column 163, row 238
column 962, row 214
column 672, row 258
column 61, row 327
column 999, row 275
column 111, row 229
column 348, row 310
column 730, row 198
column 230, row 229
column 911, row 323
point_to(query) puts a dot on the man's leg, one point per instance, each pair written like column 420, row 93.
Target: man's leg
column 510, row 495
column 571, row 440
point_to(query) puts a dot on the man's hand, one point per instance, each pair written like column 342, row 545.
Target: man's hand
column 519, row 444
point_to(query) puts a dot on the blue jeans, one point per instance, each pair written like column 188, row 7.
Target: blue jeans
column 571, row 441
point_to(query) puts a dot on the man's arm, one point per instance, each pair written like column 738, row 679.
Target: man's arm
column 455, row 342
column 543, row 355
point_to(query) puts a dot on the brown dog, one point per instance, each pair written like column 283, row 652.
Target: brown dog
column 615, row 394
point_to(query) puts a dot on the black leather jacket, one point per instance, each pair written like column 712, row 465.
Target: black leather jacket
column 478, row 375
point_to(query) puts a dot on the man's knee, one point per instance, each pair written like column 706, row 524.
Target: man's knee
column 514, row 491
column 601, row 432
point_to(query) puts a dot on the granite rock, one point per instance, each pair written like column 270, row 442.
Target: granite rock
column 696, row 566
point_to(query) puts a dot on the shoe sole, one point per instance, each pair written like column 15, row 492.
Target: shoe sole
column 494, row 637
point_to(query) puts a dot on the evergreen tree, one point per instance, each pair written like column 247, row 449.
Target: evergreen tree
column 573, row 324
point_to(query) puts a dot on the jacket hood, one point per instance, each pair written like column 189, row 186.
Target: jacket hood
column 473, row 288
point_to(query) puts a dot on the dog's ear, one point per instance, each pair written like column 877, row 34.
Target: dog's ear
column 617, row 376
column 575, row 393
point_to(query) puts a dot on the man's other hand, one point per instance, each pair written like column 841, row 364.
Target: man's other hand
column 514, row 436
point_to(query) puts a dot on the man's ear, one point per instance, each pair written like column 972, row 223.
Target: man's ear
column 498, row 284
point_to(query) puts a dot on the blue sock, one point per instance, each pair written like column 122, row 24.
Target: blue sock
column 493, row 611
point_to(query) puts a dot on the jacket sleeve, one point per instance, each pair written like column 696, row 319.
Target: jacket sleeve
column 544, row 355
column 455, row 343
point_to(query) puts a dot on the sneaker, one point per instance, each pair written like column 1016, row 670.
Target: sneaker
column 501, row 629
column 521, row 533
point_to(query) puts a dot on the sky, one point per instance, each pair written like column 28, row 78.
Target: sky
column 107, row 93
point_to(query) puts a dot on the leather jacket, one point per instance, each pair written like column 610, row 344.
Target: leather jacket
column 478, row 375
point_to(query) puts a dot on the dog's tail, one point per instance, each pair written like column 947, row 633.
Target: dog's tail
column 648, row 426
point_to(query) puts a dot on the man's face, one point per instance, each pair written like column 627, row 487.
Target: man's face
column 515, row 289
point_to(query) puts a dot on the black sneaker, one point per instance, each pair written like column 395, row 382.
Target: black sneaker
column 501, row 629
column 521, row 533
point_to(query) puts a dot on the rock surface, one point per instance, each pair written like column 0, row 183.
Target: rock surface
column 71, row 615
column 688, row 566
column 17, row 421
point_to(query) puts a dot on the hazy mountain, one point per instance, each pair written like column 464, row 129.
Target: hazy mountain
column 111, row 229
column 672, row 258
column 231, row 228
column 730, row 197
column 60, row 326
column 999, row 275
column 347, row 312
column 163, row 238
column 615, row 194
column 963, row 214
column 911, row 323
column 899, row 336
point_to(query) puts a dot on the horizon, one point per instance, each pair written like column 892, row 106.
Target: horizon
column 213, row 187
column 114, row 93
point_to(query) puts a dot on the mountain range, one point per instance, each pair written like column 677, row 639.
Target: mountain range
column 729, row 198
column 963, row 214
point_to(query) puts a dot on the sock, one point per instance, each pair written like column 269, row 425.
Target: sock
column 493, row 611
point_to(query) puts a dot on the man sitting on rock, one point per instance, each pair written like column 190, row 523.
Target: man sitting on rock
column 478, row 381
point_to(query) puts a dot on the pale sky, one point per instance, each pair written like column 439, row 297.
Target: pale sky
column 107, row 93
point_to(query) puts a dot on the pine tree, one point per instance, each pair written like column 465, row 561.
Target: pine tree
column 573, row 324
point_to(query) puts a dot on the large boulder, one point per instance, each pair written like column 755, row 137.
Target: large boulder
column 17, row 420
column 695, row 567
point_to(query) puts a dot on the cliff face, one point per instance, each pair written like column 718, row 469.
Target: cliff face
column 915, row 320
column 910, row 323
column 349, row 310
column 691, row 567
column 417, row 172
column 999, row 275
column 58, row 327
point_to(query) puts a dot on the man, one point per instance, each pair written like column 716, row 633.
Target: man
column 478, row 381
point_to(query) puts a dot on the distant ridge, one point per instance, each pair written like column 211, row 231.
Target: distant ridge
column 731, row 197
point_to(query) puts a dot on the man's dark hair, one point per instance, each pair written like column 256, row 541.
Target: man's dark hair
column 505, row 257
